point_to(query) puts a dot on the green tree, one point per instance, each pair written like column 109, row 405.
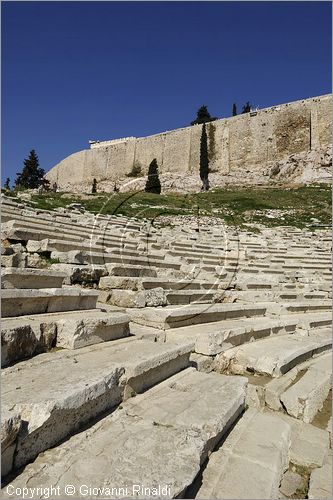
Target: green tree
column 204, row 160
column 32, row 176
column 203, row 116
column 234, row 109
column 94, row 186
column 7, row 184
column 153, row 184
column 136, row 170
column 246, row 108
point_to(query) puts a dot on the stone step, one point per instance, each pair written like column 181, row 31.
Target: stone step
column 55, row 393
column 131, row 271
column 157, row 440
column 25, row 231
column 27, row 336
column 13, row 277
column 275, row 356
column 309, row 444
column 128, row 283
column 19, row 302
column 71, row 220
column 181, row 297
column 155, row 297
column 21, row 232
column 310, row 267
column 64, row 245
column 251, row 461
column 277, row 386
column 270, row 295
column 306, row 396
column 301, row 306
column 111, row 258
column 197, row 253
column 171, row 317
column 220, row 336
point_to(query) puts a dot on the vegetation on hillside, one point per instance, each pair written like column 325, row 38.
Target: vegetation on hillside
column 299, row 207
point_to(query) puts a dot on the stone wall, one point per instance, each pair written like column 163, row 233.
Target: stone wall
column 239, row 146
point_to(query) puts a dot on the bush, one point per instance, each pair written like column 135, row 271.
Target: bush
column 136, row 171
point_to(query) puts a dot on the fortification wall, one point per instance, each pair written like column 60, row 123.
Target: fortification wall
column 241, row 145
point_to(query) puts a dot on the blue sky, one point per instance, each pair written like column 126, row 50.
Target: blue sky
column 74, row 71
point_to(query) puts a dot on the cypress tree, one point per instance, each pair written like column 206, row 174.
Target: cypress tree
column 7, row 184
column 153, row 184
column 204, row 160
column 203, row 116
column 94, row 186
column 246, row 108
column 234, row 109
column 32, row 175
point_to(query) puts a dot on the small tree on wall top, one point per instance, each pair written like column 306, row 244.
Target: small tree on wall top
column 234, row 109
column 204, row 160
column 203, row 116
column 153, row 184
column 246, row 108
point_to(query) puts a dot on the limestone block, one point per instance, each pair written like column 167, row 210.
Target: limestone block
column 10, row 427
column 35, row 261
column 103, row 296
column 80, row 332
column 18, row 248
column 31, row 278
column 155, row 297
column 37, row 246
column 56, row 393
column 16, row 302
column 127, row 298
column 257, row 451
column 18, row 343
column 71, row 257
column 309, row 444
column 132, row 270
column 276, row 387
column 126, row 283
column 255, row 396
column 291, row 482
column 306, row 397
column 201, row 363
column 14, row 260
column 320, row 485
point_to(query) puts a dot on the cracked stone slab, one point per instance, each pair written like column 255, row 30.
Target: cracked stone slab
column 13, row 277
column 136, row 444
column 251, row 461
column 309, row 444
column 306, row 397
column 176, row 317
column 276, row 355
column 15, row 302
column 55, row 393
